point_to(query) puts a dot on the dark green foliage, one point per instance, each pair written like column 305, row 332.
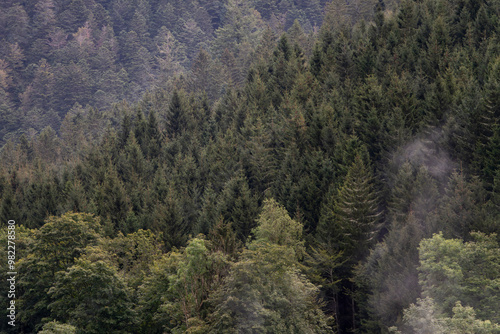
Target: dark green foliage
column 177, row 115
column 351, row 221
column 111, row 200
column 105, row 308
column 239, row 206
column 460, row 210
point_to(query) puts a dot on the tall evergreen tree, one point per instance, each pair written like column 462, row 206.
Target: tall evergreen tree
column 355, row 216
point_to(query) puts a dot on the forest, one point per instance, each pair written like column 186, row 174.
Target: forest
column 258, row 166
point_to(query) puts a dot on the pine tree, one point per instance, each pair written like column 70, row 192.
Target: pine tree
column 168, row 218
column 111, row 199
column 209, row 212
column 243, row 25
column 490, row 122
column 238, row 206
column 74, row 15
column 355, row 216
column 154, row 136
column 459, row 211
column 203, row 77
column 177, row 114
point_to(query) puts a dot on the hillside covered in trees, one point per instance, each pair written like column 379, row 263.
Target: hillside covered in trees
column 251, row 166
column 59, row 54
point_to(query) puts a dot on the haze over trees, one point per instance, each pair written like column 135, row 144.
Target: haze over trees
column 251, row 166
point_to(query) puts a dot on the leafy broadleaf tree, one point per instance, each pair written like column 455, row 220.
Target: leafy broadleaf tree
column 55, row 247
column 460, row 292
column 92, row 297
column 55, row 327
column 175, row 296
column 452, row 271
column 265, row 291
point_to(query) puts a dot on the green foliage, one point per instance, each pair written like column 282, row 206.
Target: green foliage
column 55, row 327
column 175, row 296
column 450, row 272
column 55, row 247
column 133, row 253
column 265, row 291
column 390, row 274
column 276, row 227
column 353, row 221
column 154, row 292
column 357, row 128
column 441, row 272
column 104, row 308
column 238, row 206
column 424, row 318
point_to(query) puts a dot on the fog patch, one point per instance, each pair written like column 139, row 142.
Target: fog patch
column 426, row 150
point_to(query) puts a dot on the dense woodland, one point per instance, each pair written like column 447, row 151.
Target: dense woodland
column 251, row 166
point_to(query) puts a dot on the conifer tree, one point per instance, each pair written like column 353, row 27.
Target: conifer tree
column 209, row 212
column 154, row 136
column 176, row 117
column 402, row 193
column 355, row 216
column 168, row 218
column 238, row 206
column 111, row 199
column 459, row 211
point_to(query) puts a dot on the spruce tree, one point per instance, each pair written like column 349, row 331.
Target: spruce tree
column 355, row 216
column 176, row 117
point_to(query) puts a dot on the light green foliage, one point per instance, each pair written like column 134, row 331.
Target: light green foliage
column 441, row 274
column 155, row 291
column 132, row 254
column 55, row 327
column 276, row 227
column 265, row 292
column 191, row 283
column 62, row 239
column 452, row 271
column 464, row 321
column 424, row 318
